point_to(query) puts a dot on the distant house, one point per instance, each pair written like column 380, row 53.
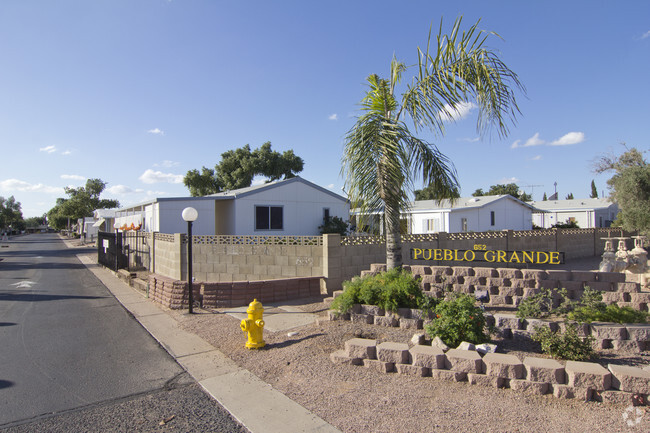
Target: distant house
column 467, row 214
column 470, row 214
column 294, row 207
column 586, row 212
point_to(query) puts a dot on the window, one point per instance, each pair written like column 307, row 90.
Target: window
column 326, row 214
column 268, row 218
column 431, row 225
column 463, row 224
column 492, row 218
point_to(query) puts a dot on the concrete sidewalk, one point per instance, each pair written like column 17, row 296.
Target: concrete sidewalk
column 254, row 403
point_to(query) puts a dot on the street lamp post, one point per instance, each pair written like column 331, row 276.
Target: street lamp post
column 190, row 215
column 117, row 227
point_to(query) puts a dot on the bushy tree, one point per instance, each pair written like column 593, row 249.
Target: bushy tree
column 238, row 167
column 383, row 158
column 501, row 189
column 629, row 187
column 430, row 193
column 10, row 214
column 81, row 202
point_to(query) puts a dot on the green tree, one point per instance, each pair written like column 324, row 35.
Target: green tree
column 203, row 183
column 238, row 167
column 544, row 198
column 11, row 214
column 81, row 202
column 629, row 188
column 429, row 193
column 594, row 190
column 501, row 189
column 382, row 158
column 569, row 196
column 36, row 221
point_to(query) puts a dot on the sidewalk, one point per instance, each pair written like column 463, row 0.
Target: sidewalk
column 254, row 403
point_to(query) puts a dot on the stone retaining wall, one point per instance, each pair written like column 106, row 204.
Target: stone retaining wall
column 508, row 286
column 583, row 380
column 238, row 293
column 173, row 293
column 629, row 338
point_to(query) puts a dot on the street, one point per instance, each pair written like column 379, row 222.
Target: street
column 69, row 349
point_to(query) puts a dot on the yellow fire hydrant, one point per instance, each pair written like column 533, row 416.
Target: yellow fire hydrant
column 254, row 325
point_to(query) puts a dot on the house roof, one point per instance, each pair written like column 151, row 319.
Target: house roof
column 463, row 203
column 254, row 189
column 575, row 204
column 235, row 193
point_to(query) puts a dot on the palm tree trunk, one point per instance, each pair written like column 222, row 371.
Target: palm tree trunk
column 393, row 240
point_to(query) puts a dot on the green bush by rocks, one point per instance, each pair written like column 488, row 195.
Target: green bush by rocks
column 458, row 319
column 388, row 290
column 565, row 345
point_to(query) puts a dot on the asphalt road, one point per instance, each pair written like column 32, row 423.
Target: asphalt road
column 72, row 359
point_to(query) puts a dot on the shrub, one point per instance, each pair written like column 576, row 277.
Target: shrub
column 608, row 313
column 540, row 305
column 334, row 225
column 458, row 319
column 388, row 290
column 565, row 345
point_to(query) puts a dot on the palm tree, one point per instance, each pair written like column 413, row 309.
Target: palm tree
column 382, row 159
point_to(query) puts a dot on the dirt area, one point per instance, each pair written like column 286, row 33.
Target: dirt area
column 356, row 399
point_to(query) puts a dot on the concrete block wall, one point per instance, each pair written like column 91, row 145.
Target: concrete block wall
column 582, row 380
column 168, row 255
column 256, row 262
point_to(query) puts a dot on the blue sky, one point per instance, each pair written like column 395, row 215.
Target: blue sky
column 138, row 92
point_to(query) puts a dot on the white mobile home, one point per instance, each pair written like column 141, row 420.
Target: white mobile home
column 470, row 214
column 586, row 213
column 291, row 207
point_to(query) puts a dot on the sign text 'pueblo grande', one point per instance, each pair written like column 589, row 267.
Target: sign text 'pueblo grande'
column 481, row 254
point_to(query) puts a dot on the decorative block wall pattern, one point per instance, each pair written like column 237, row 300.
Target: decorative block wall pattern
column 584, row 380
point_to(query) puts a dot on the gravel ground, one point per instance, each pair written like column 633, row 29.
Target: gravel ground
column 356, row 399
column 180, row 408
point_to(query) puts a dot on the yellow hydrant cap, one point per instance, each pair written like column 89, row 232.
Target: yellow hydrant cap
column 255, row 306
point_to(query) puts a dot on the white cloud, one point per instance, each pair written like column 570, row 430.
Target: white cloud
column 646, row 35
column 330, row 186
column 507, row 180
column 156, row 131
column 456, row 113
column 152, row 176
column 470, row 140
column 532, row 141
column 21, row 185
column 167, row 164
column 122, row 189
column 536, row 158
column 333, row 116
column 48, row 149
column 67, row 152
column 570, row 138
column 72, row 177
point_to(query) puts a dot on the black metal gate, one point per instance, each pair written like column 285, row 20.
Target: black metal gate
column 109, row 251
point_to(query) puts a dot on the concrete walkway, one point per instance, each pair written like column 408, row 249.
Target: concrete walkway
column 254, row 403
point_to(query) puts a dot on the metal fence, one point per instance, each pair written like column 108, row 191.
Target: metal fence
column 109, row 251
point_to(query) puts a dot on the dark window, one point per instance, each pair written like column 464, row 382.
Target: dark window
column 326, row 214
column 492, row 218
column 276, row 218
column 268, row 218
column 261, row 218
